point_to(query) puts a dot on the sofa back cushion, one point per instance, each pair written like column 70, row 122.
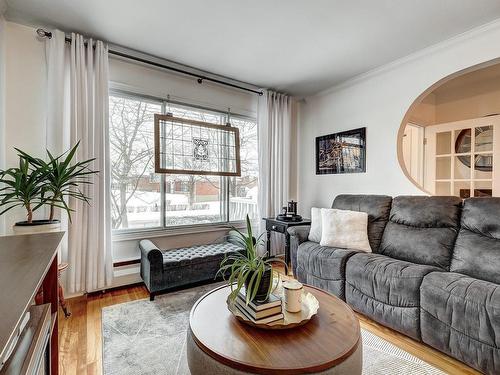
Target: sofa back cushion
column 422, row 229
column 477, row 249
column 376, row 206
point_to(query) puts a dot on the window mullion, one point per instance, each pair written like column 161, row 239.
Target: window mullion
column 163, row 182
column 225, row 183
column 227, row 198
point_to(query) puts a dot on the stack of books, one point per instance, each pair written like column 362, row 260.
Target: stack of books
column 264, row 312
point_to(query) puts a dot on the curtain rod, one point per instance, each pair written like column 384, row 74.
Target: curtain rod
column 199, row 78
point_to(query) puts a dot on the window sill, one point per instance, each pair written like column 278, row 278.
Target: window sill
column 130, row 235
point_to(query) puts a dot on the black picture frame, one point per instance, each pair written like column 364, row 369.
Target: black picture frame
column 342, row 152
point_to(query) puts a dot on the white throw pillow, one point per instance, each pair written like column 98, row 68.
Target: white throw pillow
column 315, row 231
column 345, row 229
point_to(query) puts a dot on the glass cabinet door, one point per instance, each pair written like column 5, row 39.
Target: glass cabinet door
column 463, row 157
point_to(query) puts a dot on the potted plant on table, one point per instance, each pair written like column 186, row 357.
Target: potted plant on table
column 247, row 268
column 37, row 183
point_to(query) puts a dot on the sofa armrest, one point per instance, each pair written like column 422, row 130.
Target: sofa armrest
column 151, row 265
column 298, row 235
column 150, row 251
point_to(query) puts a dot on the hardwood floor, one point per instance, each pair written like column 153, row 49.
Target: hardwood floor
column 80, row 337
column 418, row 349
column 80, row 340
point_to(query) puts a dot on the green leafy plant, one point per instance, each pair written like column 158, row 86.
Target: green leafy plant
column 248, row 269
column 63, row 178
column 37, row 182
column 23, row 187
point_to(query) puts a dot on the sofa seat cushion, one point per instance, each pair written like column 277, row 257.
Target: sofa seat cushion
column 422, row 230
column 391, row 281
column 477, row 249
column 460, row 315
column 387, row 290
column 322, row 266
column 197, row 254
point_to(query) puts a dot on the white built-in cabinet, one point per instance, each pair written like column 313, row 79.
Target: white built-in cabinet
column 462, row 158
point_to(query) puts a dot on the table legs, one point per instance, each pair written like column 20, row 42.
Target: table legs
column 60, row 290
column 62, row 301
column 287, row 252
column 287, row 248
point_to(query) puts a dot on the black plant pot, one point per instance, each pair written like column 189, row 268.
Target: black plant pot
column 35, row 223
column 265, row 281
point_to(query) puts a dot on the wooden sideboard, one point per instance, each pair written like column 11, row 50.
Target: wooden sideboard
column 28, row 276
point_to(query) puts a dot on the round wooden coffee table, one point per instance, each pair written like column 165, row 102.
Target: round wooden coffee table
column 217, row 343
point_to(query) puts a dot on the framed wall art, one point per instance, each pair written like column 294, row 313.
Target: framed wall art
column 184, row 146
column 343, row 152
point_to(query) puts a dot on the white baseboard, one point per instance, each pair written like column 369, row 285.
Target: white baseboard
column 126, row 275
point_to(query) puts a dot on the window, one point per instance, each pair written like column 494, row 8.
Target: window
column 143, row 199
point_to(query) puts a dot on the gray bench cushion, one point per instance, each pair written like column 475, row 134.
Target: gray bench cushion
column 386, row 289
column 322, row 266
column 477, row 249
column 461, row 316
column 195, row 254
column 422, row 230
column 166, row 269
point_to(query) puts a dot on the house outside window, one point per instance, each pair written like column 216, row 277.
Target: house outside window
column 142, row 199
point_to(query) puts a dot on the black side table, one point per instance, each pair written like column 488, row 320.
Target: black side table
column 273, row 225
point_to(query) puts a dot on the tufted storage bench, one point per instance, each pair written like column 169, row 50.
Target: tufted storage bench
column 162, row 270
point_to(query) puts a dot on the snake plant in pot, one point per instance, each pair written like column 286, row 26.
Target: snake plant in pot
column 37, row 183
column 247, row 268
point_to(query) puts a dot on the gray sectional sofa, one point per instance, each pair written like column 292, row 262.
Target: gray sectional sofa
column 434, row 273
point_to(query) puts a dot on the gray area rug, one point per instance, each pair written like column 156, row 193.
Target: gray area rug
column 144, row 337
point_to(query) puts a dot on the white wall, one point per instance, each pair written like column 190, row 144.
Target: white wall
column 155, row 82
column 379, row 101
column 2, row 89
column 2, row 97
column 24, row 99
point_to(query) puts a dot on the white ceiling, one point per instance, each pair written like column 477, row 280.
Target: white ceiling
column 297, row 46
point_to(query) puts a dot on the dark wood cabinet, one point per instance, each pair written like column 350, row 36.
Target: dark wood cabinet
column 28, row 276
column 279, row 226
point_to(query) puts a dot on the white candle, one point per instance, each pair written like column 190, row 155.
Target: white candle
column 293, row 296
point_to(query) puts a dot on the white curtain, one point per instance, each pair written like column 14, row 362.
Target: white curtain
column 77, row 110
column 275, row 126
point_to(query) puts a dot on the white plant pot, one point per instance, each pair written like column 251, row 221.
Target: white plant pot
column 38, row 226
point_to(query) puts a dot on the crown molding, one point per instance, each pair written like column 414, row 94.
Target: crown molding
column 432, row 49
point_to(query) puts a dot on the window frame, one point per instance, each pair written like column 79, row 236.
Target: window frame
column 163, row 229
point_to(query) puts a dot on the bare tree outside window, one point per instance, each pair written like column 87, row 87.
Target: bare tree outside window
column 188, row 199
column 243, row 190
column 135, row 196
